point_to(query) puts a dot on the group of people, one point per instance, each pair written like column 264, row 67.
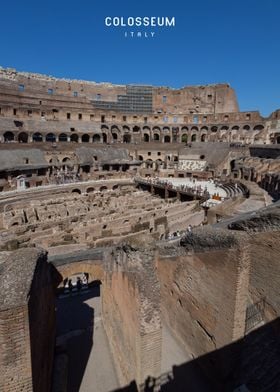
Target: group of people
column 65, row 178
column 177, row 234
column 81, row 283
column 195, row 189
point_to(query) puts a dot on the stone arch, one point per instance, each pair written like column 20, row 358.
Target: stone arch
column 23, row 137
column 85, row 138
column 94, row 269
column 115, row 136
column 203, row 137
column 193, row 137
column 50, row 137
column 76, row 190
column 184, row 138
column 103, row 188
column 115, row 187
column 204, row 129
column 90, row 190
column 258, row 127
column 167, row 139
column 136, row 128
column 246, row 127
column 126, row 138
column 194, row 129
column 96, row 138
column 146, row 137
column 166, row 129
column 105, row 138
column 74, row 138
column 157, row 129
column 214, row 129
column 140, row 157
column 149, row 163
column 37, row 137
column 9, row 136
column 156, row 137
column 62, row 137
column 126, row 128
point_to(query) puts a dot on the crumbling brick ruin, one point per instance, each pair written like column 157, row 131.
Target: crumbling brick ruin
column 168, row 202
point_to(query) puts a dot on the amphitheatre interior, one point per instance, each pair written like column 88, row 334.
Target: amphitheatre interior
column 139, row 238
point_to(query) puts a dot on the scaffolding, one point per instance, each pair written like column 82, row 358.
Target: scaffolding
column 138, row 99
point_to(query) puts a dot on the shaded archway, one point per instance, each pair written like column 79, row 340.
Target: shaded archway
column 50, row 137
column 127, row 138
column 76, row 191
column 156, row 137
column 104, row 136
column 203, row 137
column 23, row 137
column 167, row 139
column 62, row 137
column 85, row 138
column 193, row 139
column 37, row 137
column 184, row 138
column 115, row 136
column 96, row 138
column 74, row 138
column 146, row 137
column 9, row 136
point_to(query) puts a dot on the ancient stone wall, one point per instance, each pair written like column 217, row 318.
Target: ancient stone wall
column 26, row 322
column 131, row 316
column 204, row 292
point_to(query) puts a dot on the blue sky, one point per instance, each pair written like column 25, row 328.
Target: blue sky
column 214, row 41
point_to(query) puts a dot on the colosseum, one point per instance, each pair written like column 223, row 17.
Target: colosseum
column 139, row 238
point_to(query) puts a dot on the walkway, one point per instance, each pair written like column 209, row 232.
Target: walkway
column 79, row 325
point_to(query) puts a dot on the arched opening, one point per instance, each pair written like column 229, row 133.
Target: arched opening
column 149, row 163
column 127, row 138
column 194, row 129
column 136, row 129
column 203, row 138
column 90, row 190
column 156, row 137
column 96, row 138
column 167, row 139
column 23, row 137
column 146, row 137
column 193, row 139
column 184, row 138
column 77, row 191
column 103, row 189
column 278, row 140
column 104, row 135
column 258, row 127
column 115, row 136
column 67, row 163
column 140, row 157
column 74, row 138
column 62, row 137
column 9, row 136
column 246, row 127
column 85, row 138
column 115, row 187
column 50, row 137
column 37, row 137
column 214, row 129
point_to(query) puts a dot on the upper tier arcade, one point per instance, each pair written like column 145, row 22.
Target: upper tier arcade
column 35, row 89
